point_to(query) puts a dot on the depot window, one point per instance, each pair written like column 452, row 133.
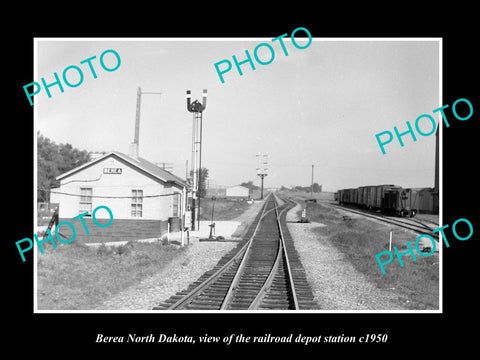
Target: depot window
column 176, row 204
column 85, row 201
column 137, row 203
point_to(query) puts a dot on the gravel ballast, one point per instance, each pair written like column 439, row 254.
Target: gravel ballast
column 336, row 284
column 199, row 257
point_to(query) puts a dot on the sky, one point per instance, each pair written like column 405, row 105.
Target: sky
column 321, row 105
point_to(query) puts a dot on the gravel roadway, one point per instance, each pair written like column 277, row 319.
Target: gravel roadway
column 336, row 284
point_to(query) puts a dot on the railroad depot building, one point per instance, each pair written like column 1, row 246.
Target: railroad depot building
column 142, row 197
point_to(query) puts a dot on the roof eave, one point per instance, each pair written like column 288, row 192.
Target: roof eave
column 128, row 160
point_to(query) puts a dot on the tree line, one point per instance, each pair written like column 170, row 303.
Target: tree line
column 55, row 159
column 52, row 160
column 315, row 188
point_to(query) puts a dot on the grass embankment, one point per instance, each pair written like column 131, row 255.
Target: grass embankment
column 76, row 277
column 304, row 195
column 225, row 209
column 360, row 240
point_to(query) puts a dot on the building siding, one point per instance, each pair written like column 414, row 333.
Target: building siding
column 117, row 189
column 118, row 230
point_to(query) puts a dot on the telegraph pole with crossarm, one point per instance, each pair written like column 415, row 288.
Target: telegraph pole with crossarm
column 262, row 170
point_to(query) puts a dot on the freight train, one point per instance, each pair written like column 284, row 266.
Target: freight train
column 389, row 199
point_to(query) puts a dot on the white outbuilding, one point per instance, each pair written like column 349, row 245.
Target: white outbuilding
column 238, row 192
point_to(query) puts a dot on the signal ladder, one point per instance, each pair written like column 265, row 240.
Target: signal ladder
column 53, row 220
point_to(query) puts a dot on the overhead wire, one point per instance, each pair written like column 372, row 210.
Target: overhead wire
column 108, row 197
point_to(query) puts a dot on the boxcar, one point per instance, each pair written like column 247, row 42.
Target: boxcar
column 354, row 196
column 390, row 199
column 340, row 196
column 367, row 197
column 371, row 197
column 361, row 200
column 379, row 202
column 410, row 201
column 400, row 201
column 348, row 196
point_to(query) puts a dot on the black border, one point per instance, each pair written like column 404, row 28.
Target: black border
column 408, row 333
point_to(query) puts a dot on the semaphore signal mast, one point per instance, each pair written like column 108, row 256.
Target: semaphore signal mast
column 196, row 108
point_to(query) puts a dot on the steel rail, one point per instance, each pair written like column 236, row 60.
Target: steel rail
column 238, row 275
column 188, row 297
column 422, row 224
column 396, row 222
column 289, row 270
column 268, row 282
column 282, row 253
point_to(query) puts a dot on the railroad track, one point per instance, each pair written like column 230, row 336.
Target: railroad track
column 264, row 272
column 410, row 224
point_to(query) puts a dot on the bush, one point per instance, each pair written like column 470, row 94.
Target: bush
column 104, row 250
column 122, row 249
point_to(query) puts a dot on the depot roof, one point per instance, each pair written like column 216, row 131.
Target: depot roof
column 139, row 163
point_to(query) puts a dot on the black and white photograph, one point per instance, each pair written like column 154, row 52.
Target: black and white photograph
column 213, row 183
column 260, row 188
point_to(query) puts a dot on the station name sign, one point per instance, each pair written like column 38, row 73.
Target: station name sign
column 112, row 170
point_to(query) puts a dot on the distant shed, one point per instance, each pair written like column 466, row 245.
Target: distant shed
column 216, row 192
column 238, row 192
column 426, row 201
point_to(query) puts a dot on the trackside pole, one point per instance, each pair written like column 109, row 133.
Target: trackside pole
column 390, row 246
column 182, row 214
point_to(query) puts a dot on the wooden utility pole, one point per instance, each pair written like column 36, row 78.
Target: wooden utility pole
column 136, row 137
